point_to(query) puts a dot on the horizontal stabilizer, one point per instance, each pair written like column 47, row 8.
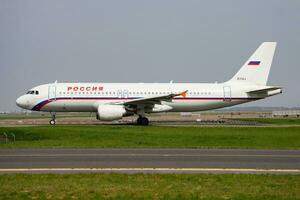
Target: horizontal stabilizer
column 262, row 90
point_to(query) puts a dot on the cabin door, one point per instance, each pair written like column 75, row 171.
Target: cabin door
column 52, row 93
column 227, row 93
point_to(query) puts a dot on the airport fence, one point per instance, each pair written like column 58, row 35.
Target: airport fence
column 7, row 137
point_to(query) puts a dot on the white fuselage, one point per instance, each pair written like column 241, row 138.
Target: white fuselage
column 86, row 97
column 113, row 101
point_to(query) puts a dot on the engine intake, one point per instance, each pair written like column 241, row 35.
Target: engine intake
column 110, row 112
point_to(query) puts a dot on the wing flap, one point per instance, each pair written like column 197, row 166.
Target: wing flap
column 153, row 100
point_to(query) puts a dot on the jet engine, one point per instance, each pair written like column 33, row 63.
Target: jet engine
column 110, row 112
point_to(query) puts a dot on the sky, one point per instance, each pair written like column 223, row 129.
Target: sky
column 144, row 41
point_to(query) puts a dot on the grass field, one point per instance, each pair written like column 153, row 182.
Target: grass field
column 122, row 136
column 151, row 186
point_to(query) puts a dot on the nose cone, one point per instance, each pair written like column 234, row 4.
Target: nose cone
column 22, row 102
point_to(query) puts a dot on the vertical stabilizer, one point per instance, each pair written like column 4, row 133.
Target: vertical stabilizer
column 256, row 69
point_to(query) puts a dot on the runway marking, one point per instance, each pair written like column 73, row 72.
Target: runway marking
column 155, row 169
column 158, row 155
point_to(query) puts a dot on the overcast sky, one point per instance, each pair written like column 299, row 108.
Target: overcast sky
column 144, row 41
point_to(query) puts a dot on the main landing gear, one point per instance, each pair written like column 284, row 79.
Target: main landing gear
column 144, row 121
column 52, row 121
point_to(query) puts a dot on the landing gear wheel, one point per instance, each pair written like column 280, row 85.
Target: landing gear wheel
column 52, row 121
column 145, row 121
column 138, row 121
column 142, row 121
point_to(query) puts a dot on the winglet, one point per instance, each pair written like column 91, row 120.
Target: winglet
column 184, row 93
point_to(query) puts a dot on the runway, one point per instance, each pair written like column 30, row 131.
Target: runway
column 149, row 161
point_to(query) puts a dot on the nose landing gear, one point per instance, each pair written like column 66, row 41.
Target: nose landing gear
column 52, row 121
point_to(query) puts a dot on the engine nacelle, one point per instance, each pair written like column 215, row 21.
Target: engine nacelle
column 110, row 112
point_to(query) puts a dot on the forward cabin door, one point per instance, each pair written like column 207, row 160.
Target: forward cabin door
column 52, row 93
column 227, row 93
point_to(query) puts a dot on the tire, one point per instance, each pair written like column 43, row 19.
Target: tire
column 138, row 121
column 144, row 121
column 52, row 122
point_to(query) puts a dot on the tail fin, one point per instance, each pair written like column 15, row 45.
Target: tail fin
column 256, row 69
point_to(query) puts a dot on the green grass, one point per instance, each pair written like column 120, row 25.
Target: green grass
column 275, row 121
column 123, row 136
column 151, row 186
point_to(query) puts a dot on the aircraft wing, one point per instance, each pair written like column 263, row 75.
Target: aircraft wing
column 152, row 100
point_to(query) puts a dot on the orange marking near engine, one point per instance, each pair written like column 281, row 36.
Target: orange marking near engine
column 183, row 93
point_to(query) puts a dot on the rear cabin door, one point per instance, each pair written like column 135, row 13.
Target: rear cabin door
column 227, row 93
column 52, row 93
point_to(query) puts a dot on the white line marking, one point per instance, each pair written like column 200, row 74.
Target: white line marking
column 155, row 169
column 158, row 155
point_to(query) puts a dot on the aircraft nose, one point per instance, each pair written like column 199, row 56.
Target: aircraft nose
column 21, row 102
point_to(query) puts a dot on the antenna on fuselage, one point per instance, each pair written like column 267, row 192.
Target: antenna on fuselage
column 171, row 81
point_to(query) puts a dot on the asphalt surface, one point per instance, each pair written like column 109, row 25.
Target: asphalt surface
column 149, row 161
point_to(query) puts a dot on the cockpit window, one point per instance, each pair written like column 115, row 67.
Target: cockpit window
column 33, row 92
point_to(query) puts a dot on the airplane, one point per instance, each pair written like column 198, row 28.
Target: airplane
column 112, row 101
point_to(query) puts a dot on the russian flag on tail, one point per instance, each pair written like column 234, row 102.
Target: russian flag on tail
column 254, row 63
